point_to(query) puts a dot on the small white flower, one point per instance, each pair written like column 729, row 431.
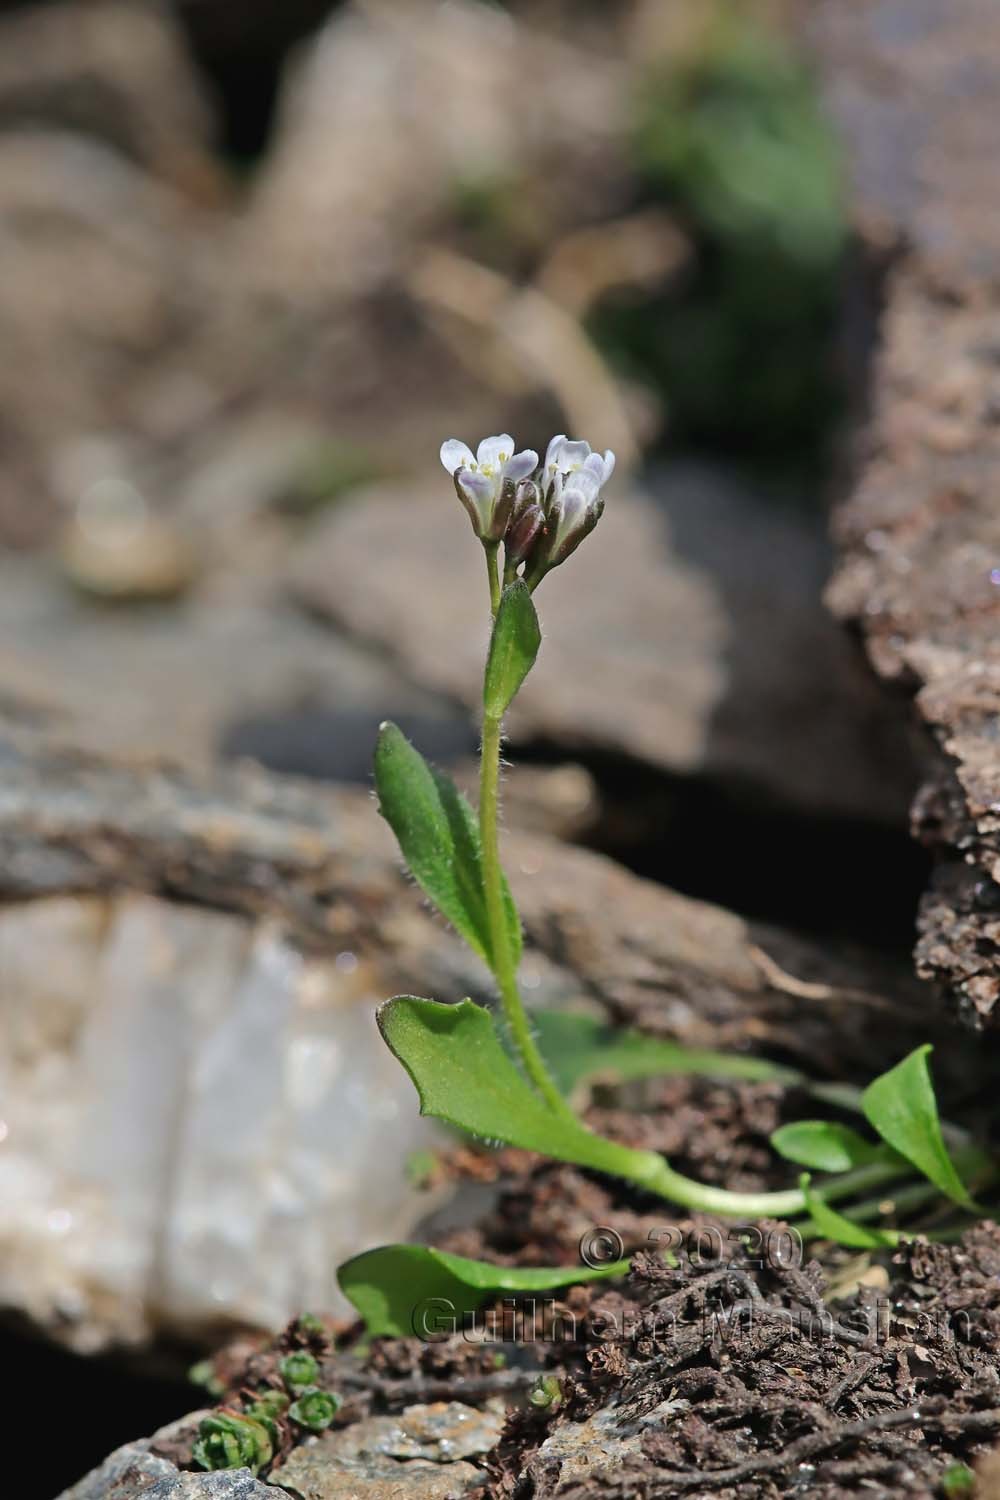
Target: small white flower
column 566, row 458
column 485, row 481
column 571, row 482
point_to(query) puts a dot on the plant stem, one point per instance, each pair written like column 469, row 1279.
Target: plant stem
column 493, row 573
column 664, row 1180
column 503, row 962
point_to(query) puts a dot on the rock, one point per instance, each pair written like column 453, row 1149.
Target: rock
column 701, row 647
column 115, row 549
column 181, row 1093
column 238, row 674
column 128, row 1472
column 101, row 272
column 199, row 1116
column 137, row 1469
column 420, row 1454
column 919, row 536
column 583, row 1451
column 360, row 167
column 114, row 70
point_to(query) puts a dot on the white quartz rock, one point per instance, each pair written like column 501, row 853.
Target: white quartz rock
column 197, row 1123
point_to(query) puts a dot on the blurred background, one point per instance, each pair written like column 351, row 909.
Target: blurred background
column 256, row 262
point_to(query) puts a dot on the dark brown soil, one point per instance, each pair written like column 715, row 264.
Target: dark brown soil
column 739, row 1370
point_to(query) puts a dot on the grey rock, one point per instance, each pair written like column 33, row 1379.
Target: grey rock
column 127, row 1473
column 419, row 1455
column 136, row 1470
column 235, row 1484
column 254, row 677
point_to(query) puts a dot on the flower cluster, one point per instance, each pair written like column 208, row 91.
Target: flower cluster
column 541, row 513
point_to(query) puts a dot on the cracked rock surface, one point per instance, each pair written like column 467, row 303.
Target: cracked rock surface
column 914, row 91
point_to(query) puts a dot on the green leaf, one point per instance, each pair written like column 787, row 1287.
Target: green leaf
column 314, row 1408
column 464, row 1076
column 824, row 1145
column 406, row 1290
column 578, row 1047
column 439, row 837
column 830, row 1225
column 901, row 1106
column 513, row 648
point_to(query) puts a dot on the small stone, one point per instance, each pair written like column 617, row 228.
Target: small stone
column 419, row 1455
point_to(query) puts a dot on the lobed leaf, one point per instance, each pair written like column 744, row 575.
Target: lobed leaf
column 464, row 1075
column 406, row 1290
column 902, row 1108
column 513, row 648
column 439, row 838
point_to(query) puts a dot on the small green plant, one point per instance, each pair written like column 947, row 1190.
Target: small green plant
column 253, row 1435
column 494, row 1080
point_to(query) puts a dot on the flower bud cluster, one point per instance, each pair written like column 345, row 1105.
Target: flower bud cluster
column 541, row 513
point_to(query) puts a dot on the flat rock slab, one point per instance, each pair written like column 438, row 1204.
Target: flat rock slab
column 422, row 1453
column 914, row 88
column 688, row 635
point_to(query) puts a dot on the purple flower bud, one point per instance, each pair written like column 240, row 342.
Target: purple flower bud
column 571, row 481
column 522, row 534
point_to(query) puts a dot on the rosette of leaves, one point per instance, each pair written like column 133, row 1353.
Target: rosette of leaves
column 234, row 1440
column 314, row 1408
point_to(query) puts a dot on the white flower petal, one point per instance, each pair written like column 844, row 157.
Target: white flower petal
column 573, row 454
column 609, row 464
column 480, row 492
column 520, row 465
column 587, row 481
column 570, row 515
column 493, row 452
column 455, row 455
column 552, row 453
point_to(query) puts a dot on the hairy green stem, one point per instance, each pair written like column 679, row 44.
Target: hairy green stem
column 504, row 970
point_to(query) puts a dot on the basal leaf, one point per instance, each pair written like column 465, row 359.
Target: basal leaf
column 407, row 1290
column 464, row 1075
column 439, row 838
column 578, row 1047
column 513, row 648
column 828, row 1224
column 901, row 1106
column 824, row 1145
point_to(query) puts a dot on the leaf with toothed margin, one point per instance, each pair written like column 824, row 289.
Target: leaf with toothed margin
column 439, row 839
column 464, row 1076
column 402, row 1291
